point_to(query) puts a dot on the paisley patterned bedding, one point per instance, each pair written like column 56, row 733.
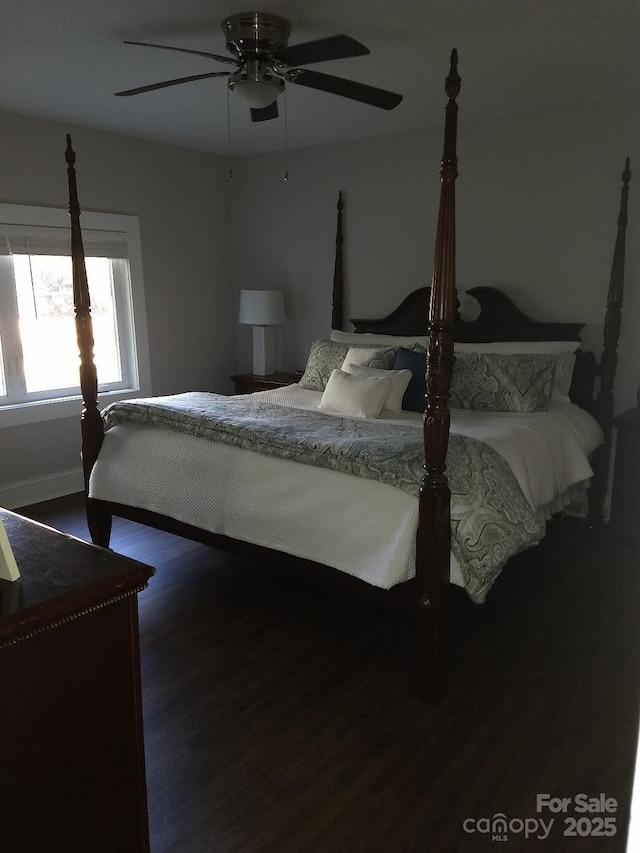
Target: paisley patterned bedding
column 491, row 520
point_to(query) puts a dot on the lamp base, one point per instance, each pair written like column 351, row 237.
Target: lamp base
column 263, row 350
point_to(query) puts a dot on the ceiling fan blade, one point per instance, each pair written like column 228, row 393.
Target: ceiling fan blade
column 166, row 83
column 332, row 47
column 347, row 88
column 228, row 59
column 266, row 113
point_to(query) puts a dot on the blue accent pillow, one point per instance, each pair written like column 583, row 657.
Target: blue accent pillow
column 406, row 359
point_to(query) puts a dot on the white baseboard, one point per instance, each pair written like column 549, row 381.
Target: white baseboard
column 15, row 495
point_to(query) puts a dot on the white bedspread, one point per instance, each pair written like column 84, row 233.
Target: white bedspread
column 361, row 527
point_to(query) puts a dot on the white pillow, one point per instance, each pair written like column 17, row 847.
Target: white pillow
column 363, row 355
column 399, row 381
column 379, row 340
column 565, row 361
column 360, row 397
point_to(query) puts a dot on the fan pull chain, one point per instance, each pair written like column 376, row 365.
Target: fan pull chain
column 230, row 173
column 286, row 138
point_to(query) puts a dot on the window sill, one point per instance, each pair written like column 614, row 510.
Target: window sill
column 70, row 407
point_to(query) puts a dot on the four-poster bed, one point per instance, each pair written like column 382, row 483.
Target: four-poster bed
column 429, row 523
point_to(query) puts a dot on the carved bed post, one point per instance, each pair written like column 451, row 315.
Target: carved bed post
column 609, row 360
column 338, row 280
column 90, row 420
column 434, row 526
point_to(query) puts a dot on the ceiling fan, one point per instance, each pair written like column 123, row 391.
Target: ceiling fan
column 264, row 62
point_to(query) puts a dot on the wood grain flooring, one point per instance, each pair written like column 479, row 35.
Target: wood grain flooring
column 279, row 719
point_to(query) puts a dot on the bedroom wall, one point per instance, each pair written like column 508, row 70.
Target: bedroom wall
column 180, row 199
column 537, row 203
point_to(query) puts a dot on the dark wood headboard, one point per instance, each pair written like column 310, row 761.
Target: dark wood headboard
column 499, row 320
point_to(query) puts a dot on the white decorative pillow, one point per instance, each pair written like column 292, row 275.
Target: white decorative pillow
column 381, row 358
column 565, row 352
column 360, row 397
column 325, row 356
column 372, row 339
column 399, row 380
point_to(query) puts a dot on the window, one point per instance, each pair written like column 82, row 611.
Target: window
column 39, row 363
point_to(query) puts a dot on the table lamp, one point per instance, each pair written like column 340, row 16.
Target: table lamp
column 262, row 309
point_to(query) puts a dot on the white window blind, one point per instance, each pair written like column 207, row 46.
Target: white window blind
column 39, row 362
column 18, row 240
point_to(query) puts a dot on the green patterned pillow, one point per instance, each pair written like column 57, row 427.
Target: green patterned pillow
column 493, row 382
column 326, row 356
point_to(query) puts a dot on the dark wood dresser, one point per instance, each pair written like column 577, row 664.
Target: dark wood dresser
column 625, row 498
column 72, row 772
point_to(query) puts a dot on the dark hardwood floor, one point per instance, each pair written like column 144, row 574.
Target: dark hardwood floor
column 279, row 719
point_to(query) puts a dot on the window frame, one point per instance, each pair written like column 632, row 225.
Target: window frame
column 131, row 313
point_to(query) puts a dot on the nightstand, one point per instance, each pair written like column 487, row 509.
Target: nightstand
column 625, row 498
column 247, row 383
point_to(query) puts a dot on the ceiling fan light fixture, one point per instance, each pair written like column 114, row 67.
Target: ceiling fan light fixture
column 260, row 51
column 256, row 93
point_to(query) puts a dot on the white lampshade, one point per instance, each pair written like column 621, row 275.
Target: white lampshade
column 261, row 307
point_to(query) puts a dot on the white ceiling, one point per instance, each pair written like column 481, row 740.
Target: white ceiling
column 63, row 60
